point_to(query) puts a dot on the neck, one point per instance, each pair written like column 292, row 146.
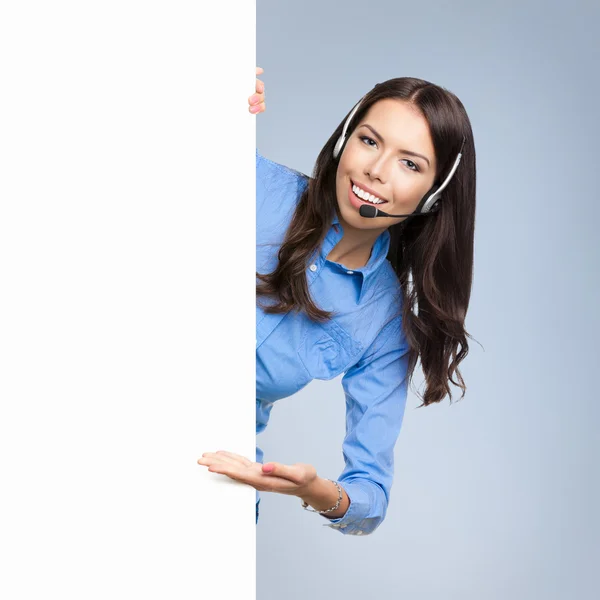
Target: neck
column 355, row 247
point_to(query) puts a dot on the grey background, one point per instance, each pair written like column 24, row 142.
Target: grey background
column 495, row 496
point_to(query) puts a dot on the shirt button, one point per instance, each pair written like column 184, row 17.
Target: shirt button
column 359, row 532
column 350, row 272
column 343, row 526
column 313, row 268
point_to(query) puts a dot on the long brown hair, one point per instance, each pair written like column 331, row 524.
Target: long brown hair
column 431, row 255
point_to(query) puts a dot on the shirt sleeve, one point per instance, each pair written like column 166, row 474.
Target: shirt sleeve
column 261, row 181
column 278, row 190
column 268, row 175
column 375, row 390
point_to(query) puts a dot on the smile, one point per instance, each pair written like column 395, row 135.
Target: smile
column 366, row 195
column 357, row 200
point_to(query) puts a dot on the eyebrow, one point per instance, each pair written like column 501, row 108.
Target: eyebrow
column 409, row 152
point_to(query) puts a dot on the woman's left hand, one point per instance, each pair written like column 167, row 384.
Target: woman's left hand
column 292, row 480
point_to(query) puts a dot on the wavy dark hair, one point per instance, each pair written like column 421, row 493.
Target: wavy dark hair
column 432, row 255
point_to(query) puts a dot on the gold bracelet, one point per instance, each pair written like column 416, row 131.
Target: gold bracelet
column 305, row 504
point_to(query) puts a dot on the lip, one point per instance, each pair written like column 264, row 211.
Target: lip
column 358, row 202
column 367, row 189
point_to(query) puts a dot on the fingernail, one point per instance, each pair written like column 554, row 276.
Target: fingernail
column 254, row 99
column 254, row 109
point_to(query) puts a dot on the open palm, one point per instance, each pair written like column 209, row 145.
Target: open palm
column 270, row 477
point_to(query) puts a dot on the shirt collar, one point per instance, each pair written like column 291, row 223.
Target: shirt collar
column 367, row 274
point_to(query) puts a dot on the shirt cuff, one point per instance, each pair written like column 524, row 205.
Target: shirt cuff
column 356, row 520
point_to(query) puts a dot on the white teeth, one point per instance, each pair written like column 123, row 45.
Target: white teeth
column 368, row 197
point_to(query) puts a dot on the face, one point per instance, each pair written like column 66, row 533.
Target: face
column 380, row 155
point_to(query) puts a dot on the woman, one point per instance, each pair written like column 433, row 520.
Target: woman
column 343, row 287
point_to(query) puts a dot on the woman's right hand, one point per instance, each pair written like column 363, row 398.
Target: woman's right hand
column 256, row 102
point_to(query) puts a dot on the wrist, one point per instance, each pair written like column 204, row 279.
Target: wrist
column 308, row 490
column 322, row 494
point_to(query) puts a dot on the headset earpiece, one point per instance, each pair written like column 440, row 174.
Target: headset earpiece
column 432, row 198
column 339, row 145
column 429, row 202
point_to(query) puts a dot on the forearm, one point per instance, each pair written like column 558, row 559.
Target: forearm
column 323, row 494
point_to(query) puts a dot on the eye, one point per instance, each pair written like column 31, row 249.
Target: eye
column 416, row 168
column 366, row 139
column 362, row 138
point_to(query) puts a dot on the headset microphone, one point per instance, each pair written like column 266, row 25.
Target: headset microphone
column 369, row 211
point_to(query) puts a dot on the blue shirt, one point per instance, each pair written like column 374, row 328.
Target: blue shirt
column 364, row 341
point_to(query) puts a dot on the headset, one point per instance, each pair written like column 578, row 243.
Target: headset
column 429, row 203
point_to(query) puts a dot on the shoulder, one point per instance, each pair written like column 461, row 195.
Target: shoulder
column 278, row 191
column 386, row 310
column 271, row 174
column 385, row 298
column 390, row 283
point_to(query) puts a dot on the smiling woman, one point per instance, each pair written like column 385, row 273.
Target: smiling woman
column 400, row 142
column 341, row 293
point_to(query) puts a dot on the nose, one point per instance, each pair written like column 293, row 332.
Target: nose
column 377, row 169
